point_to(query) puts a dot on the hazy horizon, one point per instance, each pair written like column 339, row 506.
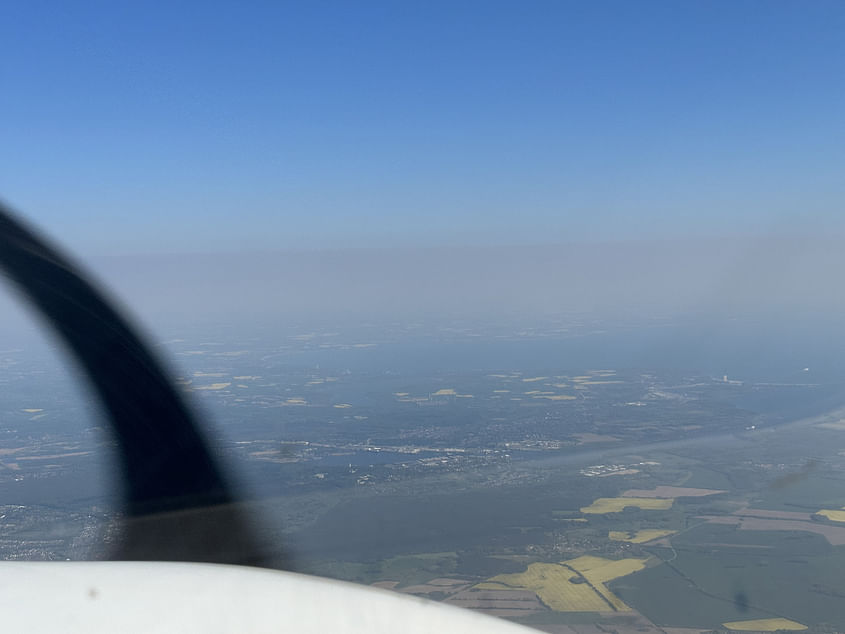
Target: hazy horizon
column 773, row 278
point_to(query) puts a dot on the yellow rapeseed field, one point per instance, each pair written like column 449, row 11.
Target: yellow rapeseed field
column 638, row 537
column 213, row 386
column 598, row 571
column 835, row 515
column 615, row 505
column 765, row 625
column 552, row 583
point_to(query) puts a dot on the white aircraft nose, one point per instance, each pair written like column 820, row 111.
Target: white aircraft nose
column 152, row 597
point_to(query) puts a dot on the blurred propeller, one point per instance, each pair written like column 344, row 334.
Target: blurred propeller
column 178, row 504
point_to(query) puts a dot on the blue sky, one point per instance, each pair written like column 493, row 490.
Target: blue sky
column 201, row 126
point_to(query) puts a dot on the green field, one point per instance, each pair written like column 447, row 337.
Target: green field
column 703, row 478
column 814, row 492
column 669, row 600
column 405, row 569
column 722, row 574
